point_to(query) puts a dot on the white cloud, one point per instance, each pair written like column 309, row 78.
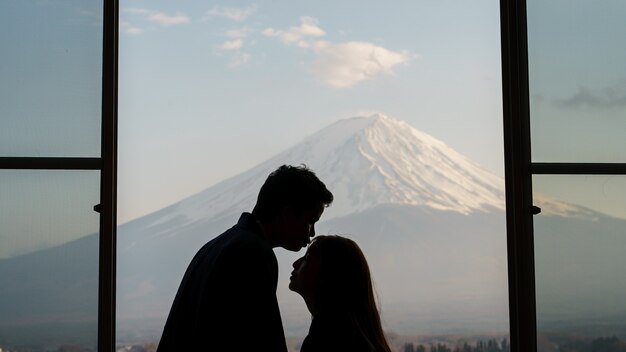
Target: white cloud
column 298, row 35
column 345, row 64
column 158, row 17
column 340, row 65
column 232, row 13
column 232, row 44
column 128, row 28
column 166, row 20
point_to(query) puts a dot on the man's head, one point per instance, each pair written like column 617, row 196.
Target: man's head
column 290, row 201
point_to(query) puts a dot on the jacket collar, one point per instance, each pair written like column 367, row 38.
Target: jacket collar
column 248, row 222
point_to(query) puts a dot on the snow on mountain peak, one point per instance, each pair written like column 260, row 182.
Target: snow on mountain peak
column 365, row 162
column 378, row 159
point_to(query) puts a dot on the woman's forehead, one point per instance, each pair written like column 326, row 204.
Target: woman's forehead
column 313, row 249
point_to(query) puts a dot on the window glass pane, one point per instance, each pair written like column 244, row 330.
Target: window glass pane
column 231, row 92
column 577, row 76
column 50, row 78
column 580, row 256
column 48, row 260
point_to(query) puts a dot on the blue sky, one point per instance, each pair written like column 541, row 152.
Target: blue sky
column 577, row 80
column 50, row 105
column 578, row 96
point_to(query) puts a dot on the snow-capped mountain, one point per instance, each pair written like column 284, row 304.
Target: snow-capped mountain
column 398, row 180
column 365, row 161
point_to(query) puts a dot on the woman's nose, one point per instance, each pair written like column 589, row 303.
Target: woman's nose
column 296, row 264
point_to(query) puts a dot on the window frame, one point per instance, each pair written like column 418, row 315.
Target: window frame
column 108, row 192
column 107, row 164
column 519, row 170
column 518, row 175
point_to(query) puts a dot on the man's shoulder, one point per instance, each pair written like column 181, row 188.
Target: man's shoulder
column 240, row 236
column 236, row 239
column 239, row 241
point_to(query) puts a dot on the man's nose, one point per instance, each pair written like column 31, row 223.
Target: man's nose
column 297, row 263
column 312, row 232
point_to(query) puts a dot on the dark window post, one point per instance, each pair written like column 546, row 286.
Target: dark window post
column 518, row 176
column 108, row 193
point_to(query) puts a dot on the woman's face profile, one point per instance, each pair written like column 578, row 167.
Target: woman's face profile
column 305, row 274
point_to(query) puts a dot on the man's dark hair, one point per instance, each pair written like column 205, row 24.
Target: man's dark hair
column 295, row 187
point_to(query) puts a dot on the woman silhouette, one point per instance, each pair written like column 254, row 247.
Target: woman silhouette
column 334, row 279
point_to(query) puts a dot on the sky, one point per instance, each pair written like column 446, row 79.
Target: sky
column 577, row 80
column 50, row 106
column 209, row 89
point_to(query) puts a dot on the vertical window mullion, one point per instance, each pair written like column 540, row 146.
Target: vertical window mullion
column 108, row 205
column 518, row 176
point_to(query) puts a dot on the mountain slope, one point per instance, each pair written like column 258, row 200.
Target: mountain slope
column 365, row 161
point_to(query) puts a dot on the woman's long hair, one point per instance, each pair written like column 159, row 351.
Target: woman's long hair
column 345, row 287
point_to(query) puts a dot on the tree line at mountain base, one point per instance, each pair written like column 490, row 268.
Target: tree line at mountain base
column 601, row 344
column 481, row 346
column 569, row 344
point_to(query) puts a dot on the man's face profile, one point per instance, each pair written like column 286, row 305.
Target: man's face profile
column 297, row 228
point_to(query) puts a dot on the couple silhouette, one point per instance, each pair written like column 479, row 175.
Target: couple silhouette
column 227, row 298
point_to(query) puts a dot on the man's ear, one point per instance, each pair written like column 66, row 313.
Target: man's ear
column 286, row 213
column 281, row 215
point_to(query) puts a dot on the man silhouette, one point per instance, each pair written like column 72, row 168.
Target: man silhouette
column 227, row 298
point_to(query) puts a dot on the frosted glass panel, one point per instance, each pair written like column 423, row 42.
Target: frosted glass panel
column 48, row 259
column 580, row 256
column 50, row 78
column 577, row 76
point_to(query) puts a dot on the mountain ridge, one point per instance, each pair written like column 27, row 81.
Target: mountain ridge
column 367, row 161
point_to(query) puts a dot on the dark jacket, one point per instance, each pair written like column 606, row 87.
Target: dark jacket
column 227, row 298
